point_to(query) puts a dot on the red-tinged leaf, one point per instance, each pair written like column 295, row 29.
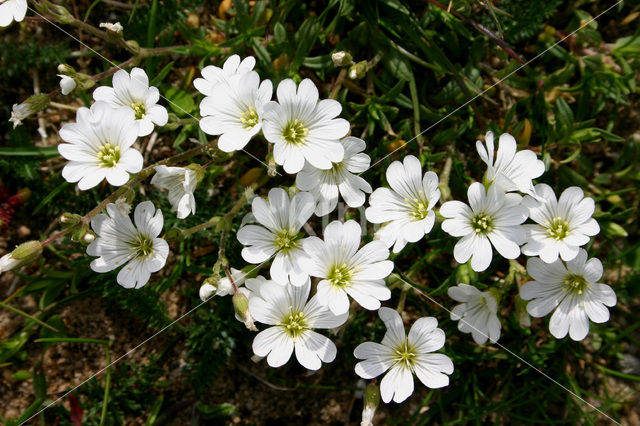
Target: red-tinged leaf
column 76, row 411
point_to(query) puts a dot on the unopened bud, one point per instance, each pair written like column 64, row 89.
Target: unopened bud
column 67, row 84
column 70, row 219
column 358, row 71
column 66, row 70
column 88, row 237
column 174, row 234
column 173, row 122
column 371, row 401
column 60, row 13
column 241, row 306
column 341, row 58
column 84, row 81
column 23, row 254
column 521, row 311
column 465, row 274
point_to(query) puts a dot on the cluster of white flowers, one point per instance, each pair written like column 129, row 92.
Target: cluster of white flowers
column 310, row 140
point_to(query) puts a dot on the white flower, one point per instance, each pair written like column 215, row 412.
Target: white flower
column 573, row 290
column 303, row 128
column 180, row 182
column 8, row 262
column 67, row 84
column 133, row 91
column 12, row 10
column 137, row 247
column 512, row 170
column 19, row 112
column 214, row 75
column 478, row 313
column 293, row 320
column 347, row 270
column 234, row 110
column 281, row 220
column 493, row 218
column 99, row 146
column 562, row 225
column 325, row 185
column 406, row 208
column 404, row 355
column 112, row 28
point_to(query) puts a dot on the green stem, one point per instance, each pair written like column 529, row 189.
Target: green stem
column 26, row 315
column 107, row 385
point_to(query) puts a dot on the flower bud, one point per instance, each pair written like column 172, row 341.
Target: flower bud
column 358, row 71
column 341, row 58
column 174, row 234
column 173, row 122
column 67, row 84
column 465, row 274
column 23, row 254
column 84, row 81
column 521, row 312
column 70, row 219
column 66, row 70
column 241, row 306
column 32, row 105
column 371, row 401
column 89, row 237
column 60, row 13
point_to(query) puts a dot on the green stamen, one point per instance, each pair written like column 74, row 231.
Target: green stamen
column 405, row 354
column 294, row 325
column 557, row 228
column 249, row 118
column 286, row 240
column 482, row 223
column 140, row 109
column 418, row 208
column 340, row 275
column 143, row 246
column 295, row 132
column 574, row 283
column 108, row 155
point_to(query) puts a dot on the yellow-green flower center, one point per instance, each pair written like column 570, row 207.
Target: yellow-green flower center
column 482, row 223
column 404, row 354
column 574, row 283
column 286, row 240
column 418, row 207
column 249, row 118
column 294, row 324
column 140, row 109
column 108, row 155
column 143, row 246
column 340, row 275
column 295, row 132
column 557, row 228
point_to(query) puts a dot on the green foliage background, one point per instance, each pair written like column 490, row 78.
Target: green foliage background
column 576, row 106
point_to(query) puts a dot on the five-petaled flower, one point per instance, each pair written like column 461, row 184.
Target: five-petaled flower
column 133, row 91
column 137, row 248
column 572, row 289
column 293, row 319
column 346, row 269
column 99, row 146
column 406, row 210
column 405, row 355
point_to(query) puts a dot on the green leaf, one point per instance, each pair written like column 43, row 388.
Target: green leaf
column 35, row 151
column 21, row 375
column 162, row 74
column 279, row 32
column 305, row 38
column 180, row 101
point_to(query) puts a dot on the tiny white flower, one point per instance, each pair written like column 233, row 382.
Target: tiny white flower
column 234, row 110
column 212, row 75
column 180, row 182
column 281, row 221
column 224, row 286
column 347, row 270
column 493, row 218
column 303, row 128
column 512, row 170
column 12, row 10
column 293, row 320
column 67, row 84
column 120, row 243
column 562, row 226
column 99, row 146
column 403, row 356
column 19, row 112
column 325, row 185
column 477, row 314
column 572, row 290
column 133, row 91
column 407, row 208
column 113, row 28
